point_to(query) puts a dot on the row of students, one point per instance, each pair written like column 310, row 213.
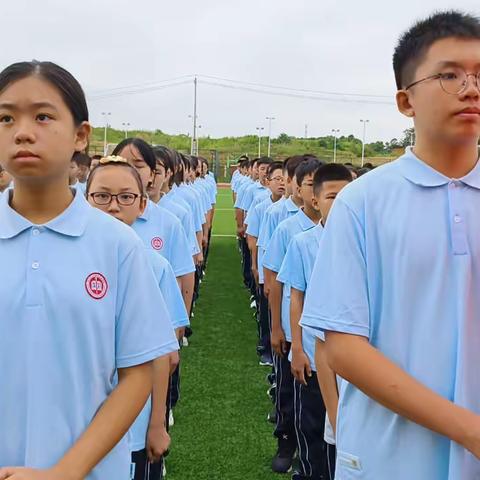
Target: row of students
column 389, row 320
column 120, row 303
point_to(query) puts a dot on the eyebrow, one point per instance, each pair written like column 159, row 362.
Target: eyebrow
column 452, row 63
column 102, row 188
column 36, row 105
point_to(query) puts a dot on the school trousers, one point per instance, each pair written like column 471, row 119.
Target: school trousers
column 144, row 470
column 263, row 320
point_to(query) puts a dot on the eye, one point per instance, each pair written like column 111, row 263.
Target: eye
column 126, row 197
column 102, row 196
column 449, row 76
column 6, row 119
column 43, row 117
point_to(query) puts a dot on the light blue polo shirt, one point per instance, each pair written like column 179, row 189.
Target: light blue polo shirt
column 184, row 199
column 203, row 194
column 161, row 231
column 186, row 219
column 242, row 188
column 295, row 272
column 275, row 255
column 80, row 302
column 250, row 193
column 399, row 263
column 193, row 199
column 178, row 316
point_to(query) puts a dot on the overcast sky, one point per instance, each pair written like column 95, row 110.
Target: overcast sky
column 317, row 45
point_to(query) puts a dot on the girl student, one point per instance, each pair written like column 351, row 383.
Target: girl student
column 115, row 187
column 74, row 319
column 157, row 227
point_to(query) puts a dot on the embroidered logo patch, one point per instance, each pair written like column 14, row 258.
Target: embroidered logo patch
column 157, row 243
column 96, row 285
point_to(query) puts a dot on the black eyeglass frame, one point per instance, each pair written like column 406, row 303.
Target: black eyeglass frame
column 112, row 196
column 438, row 76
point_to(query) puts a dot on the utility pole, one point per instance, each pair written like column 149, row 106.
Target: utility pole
column 194, row 149
column 270, row 119
column 260, row 130
column 335, row 131
column 125, row 128
column 105, row 116
column 363, row 142
column 306, row 130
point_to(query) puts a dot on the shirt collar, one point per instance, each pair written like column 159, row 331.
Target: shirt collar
column 145, row 216
column 290, row 206
column 72, row 222
column 419, row 173
column 304, row 221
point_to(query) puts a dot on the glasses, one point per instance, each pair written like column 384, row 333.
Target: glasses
column 453, row 82
column 276, row 179
column 104, row 198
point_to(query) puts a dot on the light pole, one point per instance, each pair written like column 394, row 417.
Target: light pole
column 363, row 142
column 335, row 131
column 125, row 128
column 270, row 119
column 259, row 130
column 105, row 116
column 198, row 141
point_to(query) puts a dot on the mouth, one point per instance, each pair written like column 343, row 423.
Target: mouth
column 470, row 113
column 25, row 155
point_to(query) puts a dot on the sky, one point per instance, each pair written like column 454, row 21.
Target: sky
column 319, row 45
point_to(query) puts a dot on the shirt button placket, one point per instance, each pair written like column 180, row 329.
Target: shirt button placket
column 456, row 220
column 34, row 273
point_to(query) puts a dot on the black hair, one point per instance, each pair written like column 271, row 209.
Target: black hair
column 142, row 146
column 274, row 166
column 243, row 163
column 166, row 157
column 96, row 157
column 125, row 164
column 68, row 87
column 414, row 43
column 331, row 172
column 291, row 163
column 264, row 161
column 306, row 168
column 82, row 159
column 204, row 161
column 179, row 167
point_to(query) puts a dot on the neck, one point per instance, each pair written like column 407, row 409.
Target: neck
column 165, row 188
column 452, row 160
column 275, row 198
column 312, row 214
column 41, row 203
column 297, row 201
column 155, row 198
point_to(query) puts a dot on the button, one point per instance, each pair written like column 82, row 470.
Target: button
column 35, row 232
column 457, row 218
column 35, row 265
column 453, row 184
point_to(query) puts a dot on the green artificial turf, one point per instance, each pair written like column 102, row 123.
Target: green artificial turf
column 221, row 431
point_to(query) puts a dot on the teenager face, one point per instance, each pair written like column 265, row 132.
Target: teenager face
column 117, row 180
column 38, row 136
column 437, row 114
column 323, row 200
column 158, row 180
column 73, row 173
column 255, row 172
column 276, row 182
column 262, row 172
column 82, row 173
column 5, row 179
column 204, row 169
column 134, row 158
column 305, row 190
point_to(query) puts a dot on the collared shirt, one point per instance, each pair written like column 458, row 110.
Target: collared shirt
column 251, row 192
column 187, row 201
column 295, row 272
column 399, row 264
column 242, row 188
column 192, row 197
column 275, row 254
column 161, row 231
column 80, row 302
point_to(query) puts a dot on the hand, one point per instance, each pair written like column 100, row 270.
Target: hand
column 158, row 442
column 240, row 231
column 198, row 259
column 180, row 332
column 472, row 434
column 300, row 365
column 174, row 361
column 255, row 275
column 278, row 341
column 204, row 242
column 22, row 473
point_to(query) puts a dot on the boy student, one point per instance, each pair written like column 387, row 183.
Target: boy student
column 276, row 185
column 239, row 176
column 258, row 190
column 5, row 179
column 401, row 304
column 295, row 272
column 307, row 217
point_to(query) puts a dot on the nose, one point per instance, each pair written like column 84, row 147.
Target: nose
column 114, row 206
column 472, row 88
column 24, row 133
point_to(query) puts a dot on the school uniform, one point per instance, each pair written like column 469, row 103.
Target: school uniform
column 81, row 302
column 80, row 186
column 172, row 303
column 273, row 259
column 256, row 189
column 402, row 259
column 309, row 407
column 183, row 198
column 161, row 231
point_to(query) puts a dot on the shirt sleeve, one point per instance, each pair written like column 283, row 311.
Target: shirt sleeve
column 252, row 222
column 180, row 258
column 173, row 298
column 292, row 270
column 143, row 329
column 275, row 251
column 341, row 304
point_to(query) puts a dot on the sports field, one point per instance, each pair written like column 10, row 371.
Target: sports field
column 221, row 431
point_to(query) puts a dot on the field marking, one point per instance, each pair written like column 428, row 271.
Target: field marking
column 223, row 236
column 224, row 209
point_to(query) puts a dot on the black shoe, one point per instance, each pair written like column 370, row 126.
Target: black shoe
column 283, row 459
column 266, row 360
column 271, row 378
column 260, row 349
column 272, row 392
column 272, row 416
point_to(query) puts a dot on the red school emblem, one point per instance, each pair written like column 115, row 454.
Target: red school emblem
column 157, row 243
column 96, row 285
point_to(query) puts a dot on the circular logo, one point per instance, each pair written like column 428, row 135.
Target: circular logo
column 96, row 285
column 157, row 243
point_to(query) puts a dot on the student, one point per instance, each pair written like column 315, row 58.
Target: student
column 279, row 302
column 258, row 191
column 276, row 185
column 95, row 160
column 401, row 254
column 295, row 273
column 82, row 163
column 116, row 188
column 5, row 180
column 72, row 316
column 158, row 228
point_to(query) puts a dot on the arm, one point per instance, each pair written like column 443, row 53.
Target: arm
column 300, row 361
column 354, row 359
column 187, row 284
column 106, row 429
column 239, row 220
column 327, row 381
column 267, row 275
column 205, row 230
column 252, row 245
column 158, row 439
column 275, row 301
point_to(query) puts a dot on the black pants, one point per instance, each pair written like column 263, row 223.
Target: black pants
column 144, row 470
column 174, row 390
column 263, row 320
column 331, row 458
column 246, row 264
column 310, row 429
column 284, row 401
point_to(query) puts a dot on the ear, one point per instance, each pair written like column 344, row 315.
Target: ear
column 143, row 205
column 82, row 136
column 315, row 204
column 403, row 103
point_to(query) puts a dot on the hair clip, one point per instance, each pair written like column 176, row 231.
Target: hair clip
column 112, row 159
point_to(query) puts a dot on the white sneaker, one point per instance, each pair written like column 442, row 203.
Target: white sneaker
column 185, row 341
column 253, row 304
column 164, row 470
column 171, row 420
